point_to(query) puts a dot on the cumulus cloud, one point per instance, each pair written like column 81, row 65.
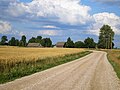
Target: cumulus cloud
column 65, row 11
column 105, row 18
column 71, row 12
column 5, row 27
column 17, row 9
column 50, row 32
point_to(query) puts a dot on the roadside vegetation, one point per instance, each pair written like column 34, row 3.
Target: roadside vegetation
column 37, row 59
column 114, row 59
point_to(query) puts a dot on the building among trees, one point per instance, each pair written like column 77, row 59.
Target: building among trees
column 60, row 44
column 34, row 45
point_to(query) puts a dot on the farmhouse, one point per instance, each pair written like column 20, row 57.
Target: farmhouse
column 60, row 44
column 34, row 45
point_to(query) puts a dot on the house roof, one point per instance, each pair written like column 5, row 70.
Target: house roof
column 34, row 44
column 60, row 44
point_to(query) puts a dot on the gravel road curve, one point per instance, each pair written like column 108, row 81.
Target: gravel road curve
column 92, row 72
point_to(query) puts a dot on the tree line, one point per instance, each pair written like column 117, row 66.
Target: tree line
column 105, row 41
column 45, row 42
column 106, row 37
column 87, row 43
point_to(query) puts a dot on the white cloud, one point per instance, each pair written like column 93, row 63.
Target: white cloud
column 65, row 11
column 50, row 32
column 17, row 9
column 49, row 27
column 105, row 18
column 5, row 27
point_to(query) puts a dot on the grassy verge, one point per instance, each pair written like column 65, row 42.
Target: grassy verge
column 113, row 57
column 9, row 72
column 116, row 67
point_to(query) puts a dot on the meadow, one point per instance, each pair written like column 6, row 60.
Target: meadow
column 16, row 62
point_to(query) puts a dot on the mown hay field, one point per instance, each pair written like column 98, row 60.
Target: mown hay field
column 16, row 54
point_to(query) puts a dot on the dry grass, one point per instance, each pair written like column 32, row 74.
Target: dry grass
column 16, row 54
column 114, row 58
column 114, row 55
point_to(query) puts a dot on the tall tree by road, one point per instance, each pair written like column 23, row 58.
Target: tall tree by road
column 3, row 40
column 106, row 37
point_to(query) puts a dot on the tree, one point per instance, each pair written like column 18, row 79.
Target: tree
column 35, row 40
column 79, row 44
column 43, row 42
column 46, row 42
column 89, row 43
column 21, row 43
column 38, row 39
column 106, row 37
column 16, row 42
column 69, row 43
column 32, row 40
column 23, row 40
column 3, row 40
column 12, row 42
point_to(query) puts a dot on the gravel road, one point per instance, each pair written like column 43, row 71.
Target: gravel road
column 92, row 72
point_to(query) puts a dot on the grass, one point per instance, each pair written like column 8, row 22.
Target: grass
column 114, row 59
column 13, row 69
column 116, row 67
column 118, row 57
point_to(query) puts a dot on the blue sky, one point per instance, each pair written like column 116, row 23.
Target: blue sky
column 59, row 19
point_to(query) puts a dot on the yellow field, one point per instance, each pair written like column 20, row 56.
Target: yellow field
column 15, row 54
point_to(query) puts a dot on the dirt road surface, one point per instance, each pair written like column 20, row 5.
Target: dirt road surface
column 92, row 72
